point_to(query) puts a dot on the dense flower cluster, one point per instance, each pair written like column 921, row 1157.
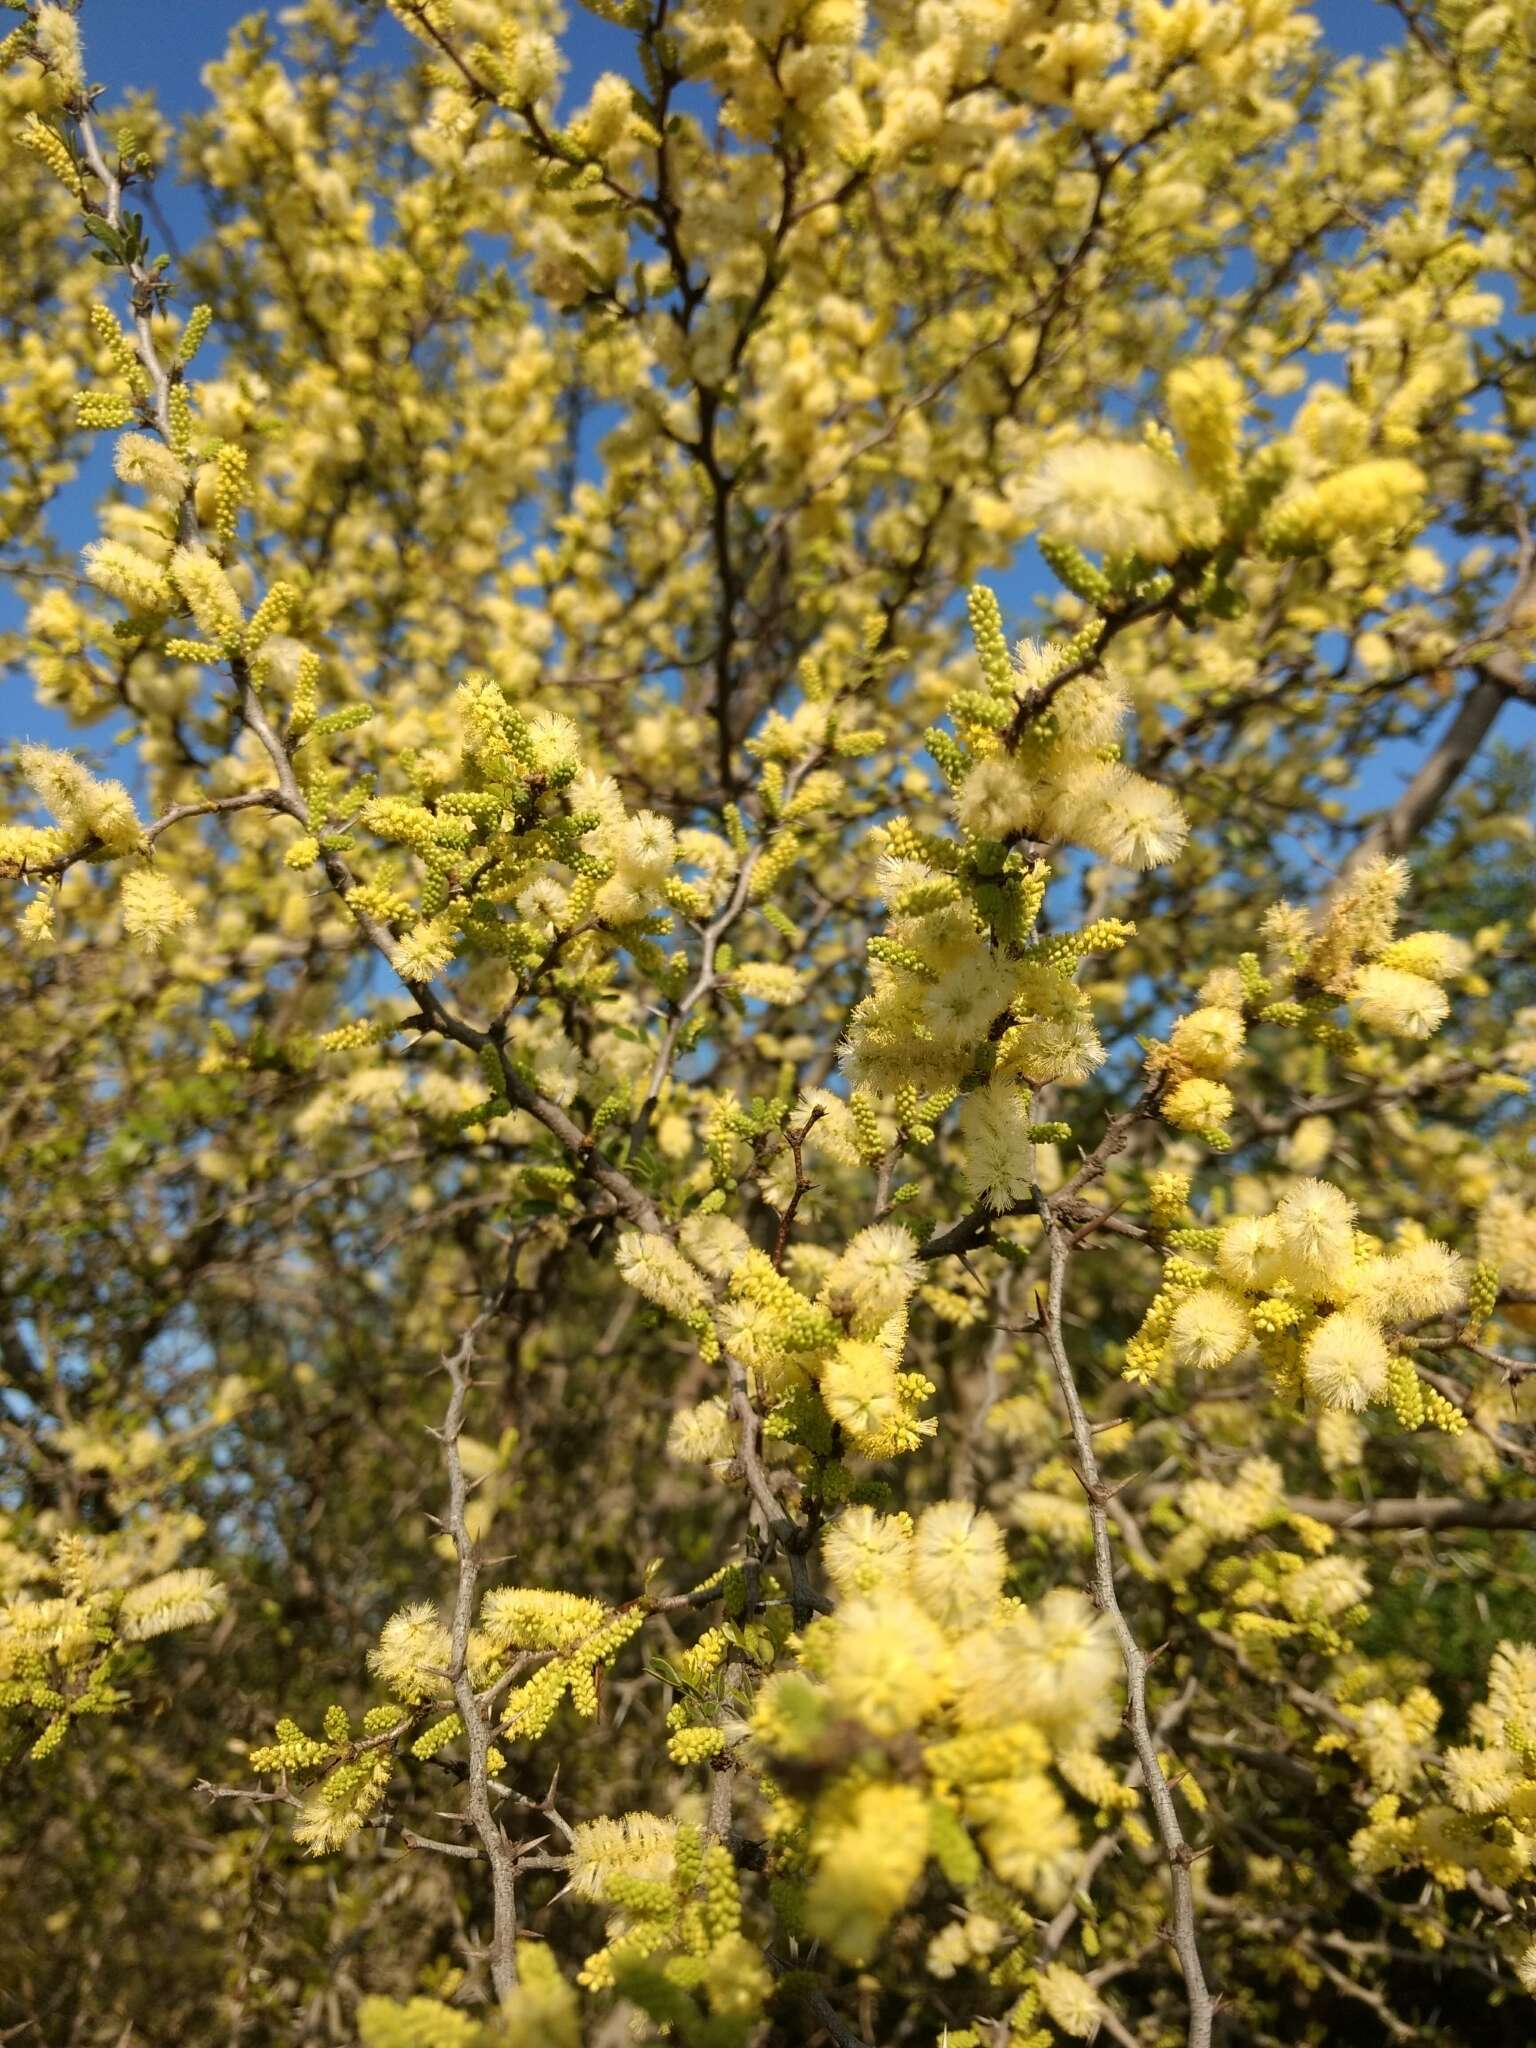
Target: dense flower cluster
column 925, row 1647
column 971, row 1195
column 1314, row 1297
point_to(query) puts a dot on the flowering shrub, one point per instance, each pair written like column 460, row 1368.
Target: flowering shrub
column 755, row 1295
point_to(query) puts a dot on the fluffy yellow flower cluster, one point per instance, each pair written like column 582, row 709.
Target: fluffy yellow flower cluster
column 838, row 1346
column 61, row 1650
column 1136, row 504
column 965, row 994
column 1132, row 498
column 1350, row 955
column 1366, row 502
column 515, row 824
column 89, row 812
column 926, row 1648
column 1481, row 1829
column 539, row 2011
column 941, row 985
column 674, row 1925
column 1269, row 1571
column 561, row 1640
column 1315, row 1297
column 153, row 908
column 1039, row 759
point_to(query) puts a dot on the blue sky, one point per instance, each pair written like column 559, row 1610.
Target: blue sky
column 163, row 46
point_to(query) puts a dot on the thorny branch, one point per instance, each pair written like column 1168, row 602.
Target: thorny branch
column 1108, row 1843
column 1180, row 1855
column 795, row 1139
column 499, row 1852
column 478, row 1710
column 975, row 1229
column 772, row 1526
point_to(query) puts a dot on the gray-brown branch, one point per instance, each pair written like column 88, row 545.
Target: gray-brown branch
column 1498, row 675
column 499, row 1852
column 1144, row 1741
column 1421, row 1514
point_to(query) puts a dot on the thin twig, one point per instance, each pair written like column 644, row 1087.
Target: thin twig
column 707, row 980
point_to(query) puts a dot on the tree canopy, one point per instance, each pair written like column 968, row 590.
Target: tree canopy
column 769, row 1220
